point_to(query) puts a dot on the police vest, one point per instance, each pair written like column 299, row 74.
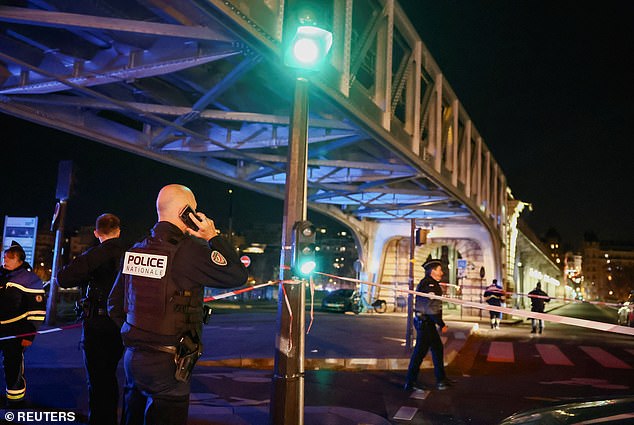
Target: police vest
column 153, row 302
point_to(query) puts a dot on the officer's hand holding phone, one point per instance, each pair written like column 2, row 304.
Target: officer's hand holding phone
column 198, row 224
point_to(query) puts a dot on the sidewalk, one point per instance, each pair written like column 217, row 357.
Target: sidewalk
column 232, row 381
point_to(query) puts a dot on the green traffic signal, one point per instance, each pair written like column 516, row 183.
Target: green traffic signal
column 303, row 263
column 308, row 48
column 306, row 42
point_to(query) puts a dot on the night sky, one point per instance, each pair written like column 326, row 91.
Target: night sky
column 547, row 84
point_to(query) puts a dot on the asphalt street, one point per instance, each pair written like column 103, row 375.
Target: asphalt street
column 354, row 371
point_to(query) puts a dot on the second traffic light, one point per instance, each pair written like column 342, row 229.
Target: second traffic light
column 304, row 262
column 420, row 237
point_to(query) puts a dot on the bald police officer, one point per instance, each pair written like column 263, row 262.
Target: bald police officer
column 157, row 298
column 427, row 321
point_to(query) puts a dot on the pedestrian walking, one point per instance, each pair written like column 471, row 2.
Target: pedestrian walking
column 427, row 321
column 494, row 295
column 539, row 299
column 157, row 298
column 22, row 310
column 95, row 271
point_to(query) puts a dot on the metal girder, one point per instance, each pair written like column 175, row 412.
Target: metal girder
column 21, row 15
column 208, row 97
column 199, row 86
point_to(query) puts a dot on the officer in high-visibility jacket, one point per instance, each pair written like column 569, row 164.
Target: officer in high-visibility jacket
column 157, row 298
column 22, row 310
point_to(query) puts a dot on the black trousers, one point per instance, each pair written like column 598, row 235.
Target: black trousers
column 101, row 342
column 13, row 362
column 427, row 338
column 152, row 395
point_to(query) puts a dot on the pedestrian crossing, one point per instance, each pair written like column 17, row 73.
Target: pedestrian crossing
column 553, row 355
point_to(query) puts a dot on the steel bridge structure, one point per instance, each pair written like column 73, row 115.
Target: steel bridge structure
column 200, row 85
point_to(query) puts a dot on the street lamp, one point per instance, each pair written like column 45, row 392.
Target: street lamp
column 305, row 48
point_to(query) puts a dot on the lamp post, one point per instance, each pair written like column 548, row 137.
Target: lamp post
column 230, row 192
column 306, row 50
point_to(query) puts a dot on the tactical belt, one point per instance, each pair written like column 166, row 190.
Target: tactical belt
column 170, row 349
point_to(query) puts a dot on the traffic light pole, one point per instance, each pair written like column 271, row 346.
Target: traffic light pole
column 51, row 303
column 409, row 332
column 287, row 398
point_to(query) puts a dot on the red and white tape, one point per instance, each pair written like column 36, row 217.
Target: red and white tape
column 237, row 291
column 601, row 326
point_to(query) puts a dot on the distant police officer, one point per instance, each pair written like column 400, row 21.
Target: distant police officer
column 427, row 321
column 538, row 299
column 494, row 295
column 95, row 270
column 22, row 310
column 157, row 298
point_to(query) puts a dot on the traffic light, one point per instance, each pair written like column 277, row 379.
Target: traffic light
column 420, row 236
column 306, row 41
column 303, row 249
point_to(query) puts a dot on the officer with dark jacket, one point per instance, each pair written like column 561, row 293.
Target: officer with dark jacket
column 539, row 298
column 95, row 271
column 494, row 295
column 427, row 321
column 157, row 298
column 22, row 310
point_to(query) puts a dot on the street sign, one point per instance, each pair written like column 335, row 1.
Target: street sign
column 462, row 267
column 23, row 230
column 245, row 260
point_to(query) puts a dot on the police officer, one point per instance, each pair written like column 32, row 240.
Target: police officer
column 427, row 321
column 157, row 298
column 22, row 310
column 538, row 299
column 95, row 270
column 494, row 295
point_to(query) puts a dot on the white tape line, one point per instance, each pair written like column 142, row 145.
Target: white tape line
column 601, row 326
column 46, row 331
column 239, row 291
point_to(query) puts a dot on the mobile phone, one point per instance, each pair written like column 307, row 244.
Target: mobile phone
column 184, row 215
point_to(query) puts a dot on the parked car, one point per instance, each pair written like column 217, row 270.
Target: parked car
column 596, row 411
column 341, row 300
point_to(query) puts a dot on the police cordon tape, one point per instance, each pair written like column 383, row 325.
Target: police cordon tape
column 512, row 311
column 601, row 326
column 76, row 325
column 238, row 291
column 45, row 331
column 520, row 294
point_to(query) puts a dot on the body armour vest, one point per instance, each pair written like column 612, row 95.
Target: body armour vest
column 153, row 301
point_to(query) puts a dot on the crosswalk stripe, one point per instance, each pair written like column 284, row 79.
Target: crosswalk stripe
column 604, row 358
column 501, row 352
column 552, row 355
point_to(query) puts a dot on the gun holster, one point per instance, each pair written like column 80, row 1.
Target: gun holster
column 82, row 309
column 188, row 351
column 418, row 322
